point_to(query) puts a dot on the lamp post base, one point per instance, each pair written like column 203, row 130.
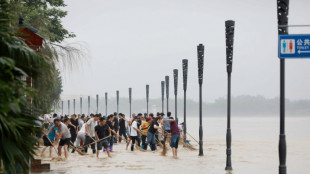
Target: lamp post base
column 228, row 168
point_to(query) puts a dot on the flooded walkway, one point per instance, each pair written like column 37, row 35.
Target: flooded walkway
column 253, row 152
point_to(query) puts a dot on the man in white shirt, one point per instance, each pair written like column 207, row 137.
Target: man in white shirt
column 90, row 132
column 47, row 121
column 134, row 132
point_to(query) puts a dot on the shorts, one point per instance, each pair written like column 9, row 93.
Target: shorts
column 168, row 131
column 65, row 141
column 175, row 141
column 46, row 141
column 103, row 143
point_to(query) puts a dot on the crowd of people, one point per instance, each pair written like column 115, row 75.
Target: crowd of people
column 80, row 132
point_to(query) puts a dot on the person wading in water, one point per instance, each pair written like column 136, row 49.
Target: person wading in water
column 175, row 136
column 101, row 131
column 90, row 132
column 64, row 135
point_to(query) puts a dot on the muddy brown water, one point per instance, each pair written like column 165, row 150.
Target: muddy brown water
column 254, row 150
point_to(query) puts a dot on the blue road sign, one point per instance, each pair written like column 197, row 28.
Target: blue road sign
column 294, row 46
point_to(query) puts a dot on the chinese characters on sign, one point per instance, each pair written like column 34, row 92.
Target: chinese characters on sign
column 294, row 46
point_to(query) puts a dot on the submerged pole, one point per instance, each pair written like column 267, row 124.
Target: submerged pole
column 81, row 105
column 73, row 106
column 162, row 95
column 200, row 51
column 130, row 90
column 88, row 105
column 167, row 92
column 147, row 99
column 230, row 29
column 97, row 103
column 185, row 70
column 106, row 103
column 68, row 107
column 117, row 103
column 175, row 75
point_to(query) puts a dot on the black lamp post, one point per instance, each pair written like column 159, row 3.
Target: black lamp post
column 62, row 107
column 162, row 95
column 230, row 29
column 97, row 103
column 73, row 106
column 117, row 103
column 175, row 75
column 130, row 91
column 147, row 99
column 200, row 51
column 106, row 103
column 68, row 107
column 283, row 8
column 81, row 105
column 185, row 69
column 167, row 92
column 88, row 105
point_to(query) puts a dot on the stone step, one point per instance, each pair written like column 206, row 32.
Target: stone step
column 37, row 166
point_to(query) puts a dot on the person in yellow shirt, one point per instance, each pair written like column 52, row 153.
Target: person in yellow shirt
column 144, row 128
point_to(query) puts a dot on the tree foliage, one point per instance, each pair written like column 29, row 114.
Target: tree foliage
column 17, row 61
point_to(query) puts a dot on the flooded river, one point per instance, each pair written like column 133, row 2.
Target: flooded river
column 254, row 151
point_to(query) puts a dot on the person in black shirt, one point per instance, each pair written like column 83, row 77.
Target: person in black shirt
column 101, row 131
column 73, row 127
column 151, row 133
column 111, row 125
column 122, row 127
column 115, row 127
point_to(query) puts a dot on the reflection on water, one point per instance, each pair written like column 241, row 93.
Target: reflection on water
column 254, row 150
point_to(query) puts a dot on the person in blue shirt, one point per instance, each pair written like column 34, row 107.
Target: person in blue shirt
column 48, row 138
column 167, row 124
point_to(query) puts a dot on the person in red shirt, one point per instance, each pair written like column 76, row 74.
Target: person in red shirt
column 175, row 136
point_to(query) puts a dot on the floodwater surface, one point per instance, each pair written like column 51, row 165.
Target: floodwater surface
column 254, row 150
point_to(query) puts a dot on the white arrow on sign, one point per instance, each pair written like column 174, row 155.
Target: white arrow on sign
column 303, row 51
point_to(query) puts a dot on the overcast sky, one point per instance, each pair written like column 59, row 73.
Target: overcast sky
column 132, row 43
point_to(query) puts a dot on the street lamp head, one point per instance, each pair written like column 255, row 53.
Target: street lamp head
column 175, row 76
column 230, row 30
column 200, row 52
column 167, row 86
column 283, row 6
column 185, row 69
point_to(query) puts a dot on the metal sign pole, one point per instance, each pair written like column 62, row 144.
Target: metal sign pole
column 282, row 9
